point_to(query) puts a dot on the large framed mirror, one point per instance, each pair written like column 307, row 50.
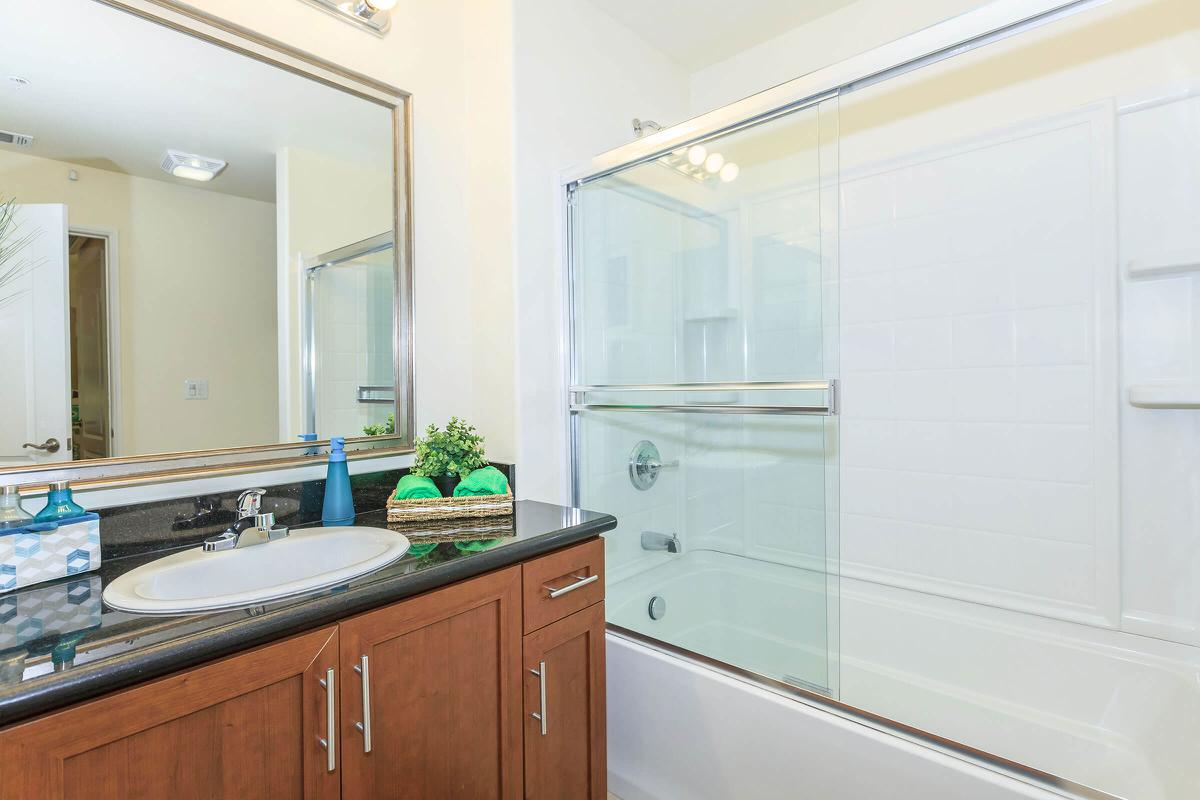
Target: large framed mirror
column 205, row 256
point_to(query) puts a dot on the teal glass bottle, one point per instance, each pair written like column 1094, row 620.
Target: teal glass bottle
column 59, row 504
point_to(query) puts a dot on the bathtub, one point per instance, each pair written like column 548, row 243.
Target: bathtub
column 1095, row 707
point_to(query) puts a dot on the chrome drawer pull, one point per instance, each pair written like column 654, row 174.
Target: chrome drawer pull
column 363, row 669
column 541, row 674
column 580, row 582
column 329, row 744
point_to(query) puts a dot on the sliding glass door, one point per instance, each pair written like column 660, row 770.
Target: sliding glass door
column 704, row 348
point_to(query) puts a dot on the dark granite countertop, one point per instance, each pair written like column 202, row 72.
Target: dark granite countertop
column 99, row 649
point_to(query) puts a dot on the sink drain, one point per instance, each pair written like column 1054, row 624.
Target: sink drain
column 657, row 607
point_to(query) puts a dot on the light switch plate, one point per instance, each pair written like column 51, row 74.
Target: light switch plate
column 195, row 389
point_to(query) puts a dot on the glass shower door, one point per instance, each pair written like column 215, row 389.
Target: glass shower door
column 704, row 360
column 350, row 363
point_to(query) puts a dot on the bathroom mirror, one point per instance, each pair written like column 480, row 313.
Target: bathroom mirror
column 205, row 245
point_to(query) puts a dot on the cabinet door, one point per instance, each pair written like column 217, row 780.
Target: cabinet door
column 435, row 682
column 248, row 726
column 565, row 709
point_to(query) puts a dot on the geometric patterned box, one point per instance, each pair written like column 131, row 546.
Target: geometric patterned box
column 44, row 551
column 59, row 610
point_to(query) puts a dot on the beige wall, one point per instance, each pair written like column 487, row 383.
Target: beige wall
column 826, row 40
column 182, row 252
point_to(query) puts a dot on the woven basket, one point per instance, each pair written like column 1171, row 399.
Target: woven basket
column 433, row 508
column 455, row 530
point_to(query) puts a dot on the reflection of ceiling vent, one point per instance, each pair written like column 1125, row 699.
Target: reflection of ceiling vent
column 19, row 139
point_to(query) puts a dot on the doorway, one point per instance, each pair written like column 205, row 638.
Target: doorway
column 91, row 395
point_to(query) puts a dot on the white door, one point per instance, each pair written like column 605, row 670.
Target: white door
column 35, row 386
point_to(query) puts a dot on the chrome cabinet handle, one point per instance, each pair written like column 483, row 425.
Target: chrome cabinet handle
column 51, row 445
column 580, row 582
column 541, row 674
column 330, row 743
column 363, row 670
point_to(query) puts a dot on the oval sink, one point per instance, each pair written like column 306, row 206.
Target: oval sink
column 307, row 560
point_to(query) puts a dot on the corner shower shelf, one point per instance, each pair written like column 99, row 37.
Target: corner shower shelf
column 1165, row 395
column 1161, row 265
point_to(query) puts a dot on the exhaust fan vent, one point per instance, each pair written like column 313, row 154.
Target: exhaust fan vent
column 19, row 139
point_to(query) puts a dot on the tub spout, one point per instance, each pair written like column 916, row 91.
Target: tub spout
column 653, row 540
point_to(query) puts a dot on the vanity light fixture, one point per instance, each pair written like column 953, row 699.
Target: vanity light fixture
column 374, row 15
column 192, row 167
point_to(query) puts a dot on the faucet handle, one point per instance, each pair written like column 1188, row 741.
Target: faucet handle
column 249, row 502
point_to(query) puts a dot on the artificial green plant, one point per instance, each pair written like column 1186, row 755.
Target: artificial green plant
column 454, row 451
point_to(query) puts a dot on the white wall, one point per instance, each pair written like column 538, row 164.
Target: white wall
column 580, row 78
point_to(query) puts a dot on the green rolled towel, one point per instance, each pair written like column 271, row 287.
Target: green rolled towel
column 412, row 487
column 421, row 550
column 477, row 546
column 485, row 480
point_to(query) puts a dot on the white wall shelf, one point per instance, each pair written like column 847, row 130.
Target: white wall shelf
column 1165, row 395
column 1164, row 264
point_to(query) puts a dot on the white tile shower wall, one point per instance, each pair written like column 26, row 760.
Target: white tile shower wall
column 1159, row 176
column 628, row 310
column 977, row 303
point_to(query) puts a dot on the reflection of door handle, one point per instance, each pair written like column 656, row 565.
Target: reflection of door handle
column 50, row 445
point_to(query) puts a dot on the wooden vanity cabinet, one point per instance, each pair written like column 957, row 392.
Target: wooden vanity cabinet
column 565, row 709
column 443, row 680
column 437, row 696
column 247, row 726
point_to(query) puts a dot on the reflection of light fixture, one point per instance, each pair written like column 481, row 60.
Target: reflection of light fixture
column 192, row 167
column 697, row 163
column 374, row 15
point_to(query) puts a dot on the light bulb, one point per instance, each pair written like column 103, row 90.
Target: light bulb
column 714, row 163
column 729, row 172
column 381, row 5
column 192, row 173
column 697, row 154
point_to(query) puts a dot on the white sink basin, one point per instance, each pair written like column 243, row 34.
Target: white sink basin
column 307, row 560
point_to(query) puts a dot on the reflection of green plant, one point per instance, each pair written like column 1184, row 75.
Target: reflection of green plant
column 12, row 242
column 381, row 428
column 454, row 451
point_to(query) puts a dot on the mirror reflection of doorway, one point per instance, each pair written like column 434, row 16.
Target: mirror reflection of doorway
column 91, row 403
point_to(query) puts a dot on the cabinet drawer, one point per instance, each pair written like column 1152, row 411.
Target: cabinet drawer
column 562, row 583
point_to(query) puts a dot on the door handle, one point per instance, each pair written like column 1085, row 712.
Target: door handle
column 51, row 445
column 540, row 714
column 329, row 741
column 580, row 582
column 363, row 668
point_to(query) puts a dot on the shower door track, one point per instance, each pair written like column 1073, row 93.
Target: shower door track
column 823, row 702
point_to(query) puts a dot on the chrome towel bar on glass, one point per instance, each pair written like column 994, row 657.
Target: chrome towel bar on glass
column 827, row 386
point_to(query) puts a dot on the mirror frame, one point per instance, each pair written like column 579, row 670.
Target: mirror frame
column 131, row 470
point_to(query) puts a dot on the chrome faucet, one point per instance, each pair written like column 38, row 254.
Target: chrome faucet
column 653, row 540
column 252, row 527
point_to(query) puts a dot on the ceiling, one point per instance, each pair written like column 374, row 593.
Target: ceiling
column 109, row 90
column 699, row 33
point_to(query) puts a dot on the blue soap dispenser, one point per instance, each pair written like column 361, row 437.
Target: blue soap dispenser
column 339, row 502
